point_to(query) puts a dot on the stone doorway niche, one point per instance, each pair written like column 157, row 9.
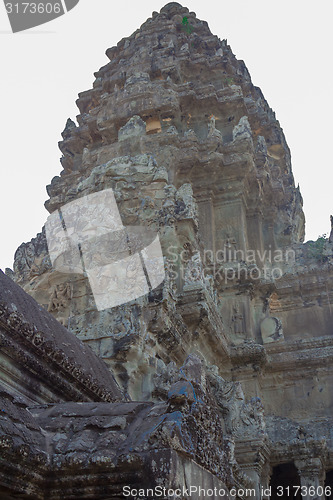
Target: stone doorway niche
column 329, row 482
column 285, row 475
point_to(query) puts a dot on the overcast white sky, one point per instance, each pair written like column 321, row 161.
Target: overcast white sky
column 286, row 45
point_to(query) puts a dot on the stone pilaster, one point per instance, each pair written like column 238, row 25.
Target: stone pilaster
column 312, row 476
column 252, row 456
column 266, row 473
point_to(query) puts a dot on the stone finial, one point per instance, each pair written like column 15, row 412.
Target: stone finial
column 133, row 128
column 242, row 130
column 173, row 8
column 70, row 125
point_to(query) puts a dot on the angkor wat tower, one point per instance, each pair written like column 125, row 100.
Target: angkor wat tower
column 222, row 374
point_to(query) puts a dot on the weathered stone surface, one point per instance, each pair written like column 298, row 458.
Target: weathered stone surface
column 238, row 338
column 54, row 447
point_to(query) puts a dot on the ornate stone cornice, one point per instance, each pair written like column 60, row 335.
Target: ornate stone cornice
column 299, row 354
column 30, row 348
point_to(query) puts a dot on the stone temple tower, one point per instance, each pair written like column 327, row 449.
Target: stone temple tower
column 241, row 326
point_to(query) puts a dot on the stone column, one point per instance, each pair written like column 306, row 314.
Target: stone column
column 254, row 475
column 266, row 473
column 252, row 456
column 312, row 475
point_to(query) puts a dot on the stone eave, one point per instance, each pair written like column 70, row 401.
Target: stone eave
column 45, row 351
column 26, row 346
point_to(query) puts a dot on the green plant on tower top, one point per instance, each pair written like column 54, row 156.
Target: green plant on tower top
column 316, row 248
column 186, row 26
